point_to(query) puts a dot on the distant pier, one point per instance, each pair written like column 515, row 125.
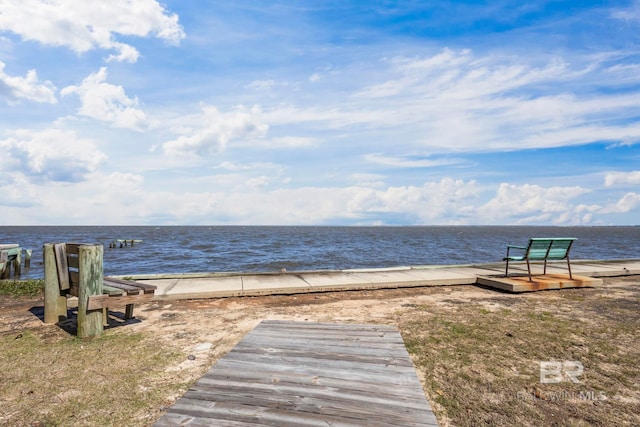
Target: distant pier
column 11, row 260
column 121, row 243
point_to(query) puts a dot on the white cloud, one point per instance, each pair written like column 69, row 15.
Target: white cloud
column 291, row 142
column 622, row 178
column 261, row 85
column 404, row 162
column 627, row 203
column 28, row 87
column 212, row 130
column 49, row 155
column 530, row 204
column 444, row 201
column 107, row 102
column 126, row 53
column 235, row 167
column 629, row 14
column 90, row 24
column 456, row 101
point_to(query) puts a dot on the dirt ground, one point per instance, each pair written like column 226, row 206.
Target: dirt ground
column 201, row 331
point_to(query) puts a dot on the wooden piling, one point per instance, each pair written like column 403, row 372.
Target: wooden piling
column 17, row 264
column 55, row 305
column 27, row 258
column 4, row 263
column 90, row 322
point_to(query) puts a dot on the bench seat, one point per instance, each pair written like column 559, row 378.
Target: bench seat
column 541, row 249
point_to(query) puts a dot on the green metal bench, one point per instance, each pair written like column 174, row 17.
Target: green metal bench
column 542, row 249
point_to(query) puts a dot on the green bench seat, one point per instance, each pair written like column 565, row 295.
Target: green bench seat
column 541, row 249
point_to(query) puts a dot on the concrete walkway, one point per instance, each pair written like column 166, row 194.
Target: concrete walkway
column 215, row 285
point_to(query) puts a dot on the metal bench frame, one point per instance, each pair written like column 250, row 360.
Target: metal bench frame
column 542, row 249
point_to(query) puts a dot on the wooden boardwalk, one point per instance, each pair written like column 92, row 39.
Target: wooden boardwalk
column 308, row 374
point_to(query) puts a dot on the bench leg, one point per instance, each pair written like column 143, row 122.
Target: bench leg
column 529, row 270
column 506, row 270
column 569, row 267
column 105, row 316
column 128, row 314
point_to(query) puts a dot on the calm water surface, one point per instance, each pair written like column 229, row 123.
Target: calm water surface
column 185, row 249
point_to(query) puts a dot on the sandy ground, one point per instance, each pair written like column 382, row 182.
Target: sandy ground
column 205, row 330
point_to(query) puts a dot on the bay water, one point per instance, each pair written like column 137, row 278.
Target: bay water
column 189, row 249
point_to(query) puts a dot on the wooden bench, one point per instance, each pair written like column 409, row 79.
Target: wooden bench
column 76, row 269
column 542, row 249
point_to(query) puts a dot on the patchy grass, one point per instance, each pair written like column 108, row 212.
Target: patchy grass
column 22, row 288
column 477, row 352
column 108, row 381
column 482, row 367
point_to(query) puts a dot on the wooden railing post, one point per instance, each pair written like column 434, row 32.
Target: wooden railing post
column 55, row 304
column 27, row 258
column 17, row 264
column 90, row 283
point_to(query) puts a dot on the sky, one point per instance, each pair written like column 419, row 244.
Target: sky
column 308, row 112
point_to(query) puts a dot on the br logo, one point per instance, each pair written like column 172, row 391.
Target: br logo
column 553, row 372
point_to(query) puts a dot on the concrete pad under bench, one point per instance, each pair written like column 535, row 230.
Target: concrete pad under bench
column 538, row 283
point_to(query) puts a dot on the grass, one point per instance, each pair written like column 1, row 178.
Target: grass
column 479, row 358
column 22, row 288
column 108, row 381
column 483, row 367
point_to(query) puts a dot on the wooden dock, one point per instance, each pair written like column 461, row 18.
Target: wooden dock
column 11, row 256
column 308, row 374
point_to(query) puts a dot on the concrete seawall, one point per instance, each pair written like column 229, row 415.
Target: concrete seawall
column 216, row 285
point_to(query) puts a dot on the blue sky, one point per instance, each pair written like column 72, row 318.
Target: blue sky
column 319, row 112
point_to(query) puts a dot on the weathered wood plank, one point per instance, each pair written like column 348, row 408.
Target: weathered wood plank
column 90, row 321
column 316, row 354
column 341, row 377
column 106, row 301
column 345, row 391
column 106, row 289
column 129, row 289
column 55, row 303
column 144, row 286
column 260, row 378
column 62, row 266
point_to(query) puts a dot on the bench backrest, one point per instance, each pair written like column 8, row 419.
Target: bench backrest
column 68, row 263
column 549, row 248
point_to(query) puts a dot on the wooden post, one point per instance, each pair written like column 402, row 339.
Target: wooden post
column 128, row 314
column 90, row 283
column 17, row 264
column 4, row 263
column 27, row 258
column 55, row 304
